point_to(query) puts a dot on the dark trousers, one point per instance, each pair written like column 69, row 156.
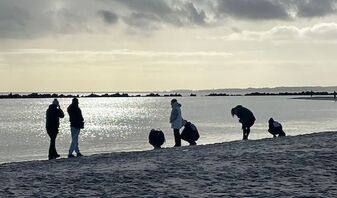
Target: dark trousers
column 52, row 148
column 246, row 129
column 246, row 132
column 177, row 137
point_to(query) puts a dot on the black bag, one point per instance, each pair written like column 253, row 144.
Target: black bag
column 190, row 133
column 156, row 138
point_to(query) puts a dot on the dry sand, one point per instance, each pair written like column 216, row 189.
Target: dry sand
column 300, row 166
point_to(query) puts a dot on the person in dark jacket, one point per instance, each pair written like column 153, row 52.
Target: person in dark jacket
column 53, row 115
column 190, row 133
column 246, row 118
column 76, row 124
column 275, row 128
column 156, row 138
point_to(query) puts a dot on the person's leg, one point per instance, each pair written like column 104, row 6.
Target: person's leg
column 77, row 150
column 73, row 139
column 177, row 137
column 246, row 131
column 51, row 146
column 56, row 154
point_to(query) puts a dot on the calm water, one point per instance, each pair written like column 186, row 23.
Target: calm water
column 123, row 124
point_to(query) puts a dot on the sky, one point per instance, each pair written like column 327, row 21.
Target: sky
column 147, row 45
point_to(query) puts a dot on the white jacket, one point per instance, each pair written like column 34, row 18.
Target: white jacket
column 176, row 119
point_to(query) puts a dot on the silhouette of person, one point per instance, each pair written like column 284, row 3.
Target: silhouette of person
column 156, row 138
column 176, row 121
column 246, row 118
column 275, row 128
column 53, row 115
column 190, row 133
column 76, row 124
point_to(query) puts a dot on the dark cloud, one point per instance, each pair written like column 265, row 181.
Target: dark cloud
column 315, row 8
column 177, row 13
column 145, row 21
column 253, row 10
column 195, row 16
column 108, row 16
column 36, row 18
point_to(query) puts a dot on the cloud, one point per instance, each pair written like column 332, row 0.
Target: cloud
column 253, row 10
column 37, row 18
column 314, row 8
column 321, row 31
column 108, row 16
column 276, row 10
column 118, row 52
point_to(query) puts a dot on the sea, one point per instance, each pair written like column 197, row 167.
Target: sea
column 123, row 124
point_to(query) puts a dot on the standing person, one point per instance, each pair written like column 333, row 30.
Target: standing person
column 53, row 115
column 76, row 124
column 176, row 121
column 246, row 118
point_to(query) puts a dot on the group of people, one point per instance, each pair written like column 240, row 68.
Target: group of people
column 246, row 118
column 53, row 115
column 156, row 137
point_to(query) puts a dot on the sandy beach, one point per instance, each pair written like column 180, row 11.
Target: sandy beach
column 299, row 166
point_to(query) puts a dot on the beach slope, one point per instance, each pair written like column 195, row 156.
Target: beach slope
column 281, row 167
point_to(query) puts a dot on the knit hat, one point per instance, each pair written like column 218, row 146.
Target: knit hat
column 55, row 102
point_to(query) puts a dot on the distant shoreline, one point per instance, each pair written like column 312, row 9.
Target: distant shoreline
column 92, row 95
column 315, row 98
column 317, row 95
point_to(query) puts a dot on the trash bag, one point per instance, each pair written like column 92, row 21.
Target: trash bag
column 156, row 138
column 190, row 133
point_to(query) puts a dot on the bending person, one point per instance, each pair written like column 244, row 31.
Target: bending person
column 246, row 118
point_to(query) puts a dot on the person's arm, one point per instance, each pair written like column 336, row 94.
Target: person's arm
column 61, row 114
column 174, row 115
column 80, row 115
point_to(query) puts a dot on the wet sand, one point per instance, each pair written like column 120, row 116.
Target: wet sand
column 276, row 167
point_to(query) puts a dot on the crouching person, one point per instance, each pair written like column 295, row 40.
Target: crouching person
column 156, row 138
column 190, row 133
column 275, row 128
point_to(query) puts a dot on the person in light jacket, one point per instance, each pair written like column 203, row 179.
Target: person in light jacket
column 246, row 118
column 176, row 121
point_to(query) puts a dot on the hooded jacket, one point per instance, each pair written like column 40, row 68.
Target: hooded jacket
column 53, row 116
column 176, row 119
column 245, row 115
column 75, row 116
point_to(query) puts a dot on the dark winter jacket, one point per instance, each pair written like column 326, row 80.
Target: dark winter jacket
column 75, row 116
column 53, row 116
column 275, row 128
column 245, row 115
